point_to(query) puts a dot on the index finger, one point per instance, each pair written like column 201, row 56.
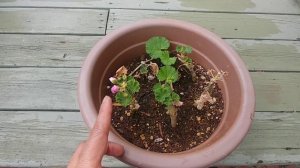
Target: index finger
column 97, row 143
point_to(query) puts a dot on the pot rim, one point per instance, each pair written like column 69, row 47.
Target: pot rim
column 196, row 158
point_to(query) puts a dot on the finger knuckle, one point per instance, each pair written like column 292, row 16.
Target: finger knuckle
column 99, row 131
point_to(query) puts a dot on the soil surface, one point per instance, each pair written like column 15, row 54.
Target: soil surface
column 149, row 127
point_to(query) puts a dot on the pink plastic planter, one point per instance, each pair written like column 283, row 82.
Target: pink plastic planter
column 209, row 50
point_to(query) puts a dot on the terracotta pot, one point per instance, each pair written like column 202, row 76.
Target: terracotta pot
column 121, row 46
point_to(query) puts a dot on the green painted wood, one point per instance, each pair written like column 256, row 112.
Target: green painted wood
column 227, row 25
column 70, row 51
column 44, row 50
column 38, row 88
column 276, row 91
column 53, row 21
column 55, row 88
column 259, row 6
column 52, row 137
column 41, row 139
column 268, row 54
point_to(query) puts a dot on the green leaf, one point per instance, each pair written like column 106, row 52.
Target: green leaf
column 171, row 98
column 124, row 98
column 188, row 60
column 121, row 79
column 155, row 44
column 133, row 85
column 168, row 74
column 175, row 97
column 166, row 59
column 143, row 69
column 162, row 92
column 184, row 49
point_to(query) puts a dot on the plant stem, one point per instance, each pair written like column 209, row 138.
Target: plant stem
column 189, row 66
column 171, row 85
column 139, row 67
column 172, row 111
column 193, row 73
column 160, row 130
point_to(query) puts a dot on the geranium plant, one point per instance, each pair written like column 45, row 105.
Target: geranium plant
column 125, row 86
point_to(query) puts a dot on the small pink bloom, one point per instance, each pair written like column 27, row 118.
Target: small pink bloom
column 115, row 89
column 112, row 80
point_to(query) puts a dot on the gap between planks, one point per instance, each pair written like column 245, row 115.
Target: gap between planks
column 253, row 6
column 147, row 9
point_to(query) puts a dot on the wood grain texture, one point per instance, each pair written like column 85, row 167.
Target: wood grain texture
column 51, row 138
column 38, row 88
column 49, row 135
column 44, row 50
column 39, row 139
column 268, row 54
column 255, row 6
column 226, row 25
column 53, row 21
column 55, row 88
column 70, row 51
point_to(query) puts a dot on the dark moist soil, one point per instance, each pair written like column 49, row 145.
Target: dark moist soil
column 149, row 127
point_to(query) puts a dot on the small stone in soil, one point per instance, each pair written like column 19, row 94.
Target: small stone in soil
column 142, row 136
column 158, row 140
column 151, row 77
column 207, row 129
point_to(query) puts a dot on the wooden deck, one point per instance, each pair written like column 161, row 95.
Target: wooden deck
column 43, row 43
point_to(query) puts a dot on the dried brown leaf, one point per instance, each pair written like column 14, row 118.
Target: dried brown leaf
column 154, row 68
column 121, row 71
column 204, row 97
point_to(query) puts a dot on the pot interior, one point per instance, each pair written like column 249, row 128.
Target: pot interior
column 205, row 53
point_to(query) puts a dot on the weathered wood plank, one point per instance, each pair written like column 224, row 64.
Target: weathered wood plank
column 227, row 25
column 69, row 51
column 51, row 138
column 44, row 50
column 266, row 6
column 38, row 88
column 55, row 88
column 268, row 55
column 53, row 21
column 277, row 91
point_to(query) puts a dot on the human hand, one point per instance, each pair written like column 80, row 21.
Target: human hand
column 90, row 153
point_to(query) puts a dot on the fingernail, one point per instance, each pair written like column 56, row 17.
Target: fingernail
column 106, row 99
